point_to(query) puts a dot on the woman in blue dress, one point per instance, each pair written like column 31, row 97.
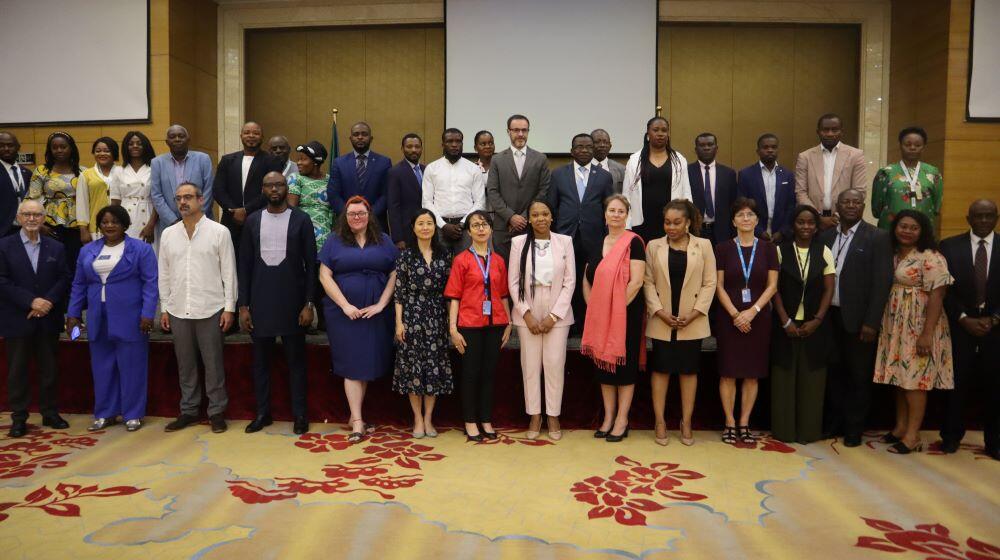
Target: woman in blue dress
column 357, row 272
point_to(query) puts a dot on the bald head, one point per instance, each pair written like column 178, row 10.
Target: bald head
column 275, row 190
column 361, row 137
column 9, row 146
column 982, row 217
column 251, row 136
column 850, row 207
column 279, row 147
column 31, row 215
column 178, row 140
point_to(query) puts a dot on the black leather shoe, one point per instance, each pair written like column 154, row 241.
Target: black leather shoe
column 852, row 440
column 255, row 426
column 615, row 439
column 301, row 425
column 950, row 446
column 490, row 435
column 995, row 453
column 218, row 423
column 18, row 428
column 55, row 421
column 183, row 421
column 600, row 434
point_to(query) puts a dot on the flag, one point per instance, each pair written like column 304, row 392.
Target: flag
column 334, row 142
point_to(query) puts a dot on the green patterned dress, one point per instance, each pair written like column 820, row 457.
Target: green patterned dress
column 891, row 192
column 312, row 201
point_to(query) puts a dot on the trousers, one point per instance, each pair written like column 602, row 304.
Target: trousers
column 479, row 364
column 194, row 337
column 543, row 352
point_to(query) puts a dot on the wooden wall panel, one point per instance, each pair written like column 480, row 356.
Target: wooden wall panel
column 762, row 98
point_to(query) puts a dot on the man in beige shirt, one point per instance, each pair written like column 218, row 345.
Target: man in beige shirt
column 825, row 171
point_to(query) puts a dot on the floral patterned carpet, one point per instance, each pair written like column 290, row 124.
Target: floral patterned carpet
column 194, row 494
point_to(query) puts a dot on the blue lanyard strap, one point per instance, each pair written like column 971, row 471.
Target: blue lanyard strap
column 484, row 270
column 743, row 263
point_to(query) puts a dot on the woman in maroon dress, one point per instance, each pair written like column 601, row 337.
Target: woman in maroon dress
column 748, row 279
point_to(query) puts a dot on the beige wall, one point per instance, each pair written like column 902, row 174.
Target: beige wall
column 193, row 71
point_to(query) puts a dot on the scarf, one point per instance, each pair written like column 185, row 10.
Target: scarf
column 604, row 326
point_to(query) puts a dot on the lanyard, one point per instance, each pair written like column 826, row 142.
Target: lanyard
column 913, row 180
column 743, row 263
column 803, row 267
column 840, row 247
column 484, row 270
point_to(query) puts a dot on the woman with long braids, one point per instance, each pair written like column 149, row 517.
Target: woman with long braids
column 542, row 280
column 654, row 176
column 54, row 184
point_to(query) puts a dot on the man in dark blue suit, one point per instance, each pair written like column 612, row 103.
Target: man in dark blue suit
column 713, row 187
column 34, row 281
column 773, row 189
column 13, row 183
column 361, row 172
column 403, row 189
column 576, row 195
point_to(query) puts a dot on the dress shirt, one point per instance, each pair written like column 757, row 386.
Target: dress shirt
column 711, row 177
column 989, row 247
column 197, row 273
column 180, row 168
column 604, row 164
column 291, row 170
column 582, row 172
column 274, row 236
column 841, row 244
column 14, row 172
column 32, row 248
column 245, row 170
column 770, row 177
column 453, row 190
column 519, row 157
column 829, row 162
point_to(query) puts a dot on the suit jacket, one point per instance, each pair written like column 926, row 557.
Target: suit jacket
column 131, row 291
column 697, row 292
column 617, row 171
column 20, row 285
column 509, row 194
column 849, row 172
column 680, row 185
column 228, row 187
column 344, row 183
column 961, row 295
column 865, row 276
column 10, row 197
column 725, row 194
column 563, row 280
column 404, row 195
column 573, row 216
column 751, row 185
column 276, row 294
column 163, row 184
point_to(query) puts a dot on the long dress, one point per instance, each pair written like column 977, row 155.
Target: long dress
column 897, row 362
column 422, row 363
column 624, row 374
column 655, row 195
column 312, row 201
column 132, row 189
column 361, row 349
column 744, row 356
column 891, row 192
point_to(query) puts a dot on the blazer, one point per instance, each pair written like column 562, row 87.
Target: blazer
column 228, row 187
column 725, row 194
column 849, row 172
column 573, row 216
column 865, row 276
column 680, row 185
column 163, row 184
column 751, row 185
column 509, row 194
column 697, row 292
column 563, row 280
column 131, row 292
column 343, row 182
column 961, row 295
column 617, row 171
column 404, row 198
column 10, row 197
column 20, row 284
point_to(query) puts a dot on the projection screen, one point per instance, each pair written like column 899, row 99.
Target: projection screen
column 85, row 61
column 984, row 73
column 569, row 65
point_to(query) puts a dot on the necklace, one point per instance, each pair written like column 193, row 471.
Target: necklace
column 542, row 247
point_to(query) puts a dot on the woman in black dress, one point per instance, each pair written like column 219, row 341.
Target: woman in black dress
column 654, row 176
column 423, row 369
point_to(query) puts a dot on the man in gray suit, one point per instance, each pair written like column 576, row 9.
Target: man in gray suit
column 602, row 147
column 518, row 175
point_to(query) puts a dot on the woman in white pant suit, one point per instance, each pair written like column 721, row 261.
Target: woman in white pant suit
column 542, row 277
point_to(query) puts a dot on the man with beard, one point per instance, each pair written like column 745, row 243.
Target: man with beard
column 238, row 179
column 403, row 186
column 279, row 147
column 713, row 188
column 602, row 147
column 772, row 187
column 823, row 172
column 361, row 172
column 13, row 183
column 453, row 189
column 168, row 171
column 276, row 292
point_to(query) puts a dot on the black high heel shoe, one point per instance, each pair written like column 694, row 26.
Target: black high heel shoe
column 600, row 434
column 615, row 439
column 476, row 438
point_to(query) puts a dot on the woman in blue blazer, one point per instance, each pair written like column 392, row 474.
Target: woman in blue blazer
column 115, row 282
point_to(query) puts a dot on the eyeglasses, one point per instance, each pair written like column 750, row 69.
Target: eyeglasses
column 357, row 214
column 518, row 130
column 31, row 215
column 183, row 197
column 479, row 225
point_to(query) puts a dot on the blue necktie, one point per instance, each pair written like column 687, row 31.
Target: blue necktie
column 581, row 183
column 362, row 170
column 709, row 203
column 418, row 173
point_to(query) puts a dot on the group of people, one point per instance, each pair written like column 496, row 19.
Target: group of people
column 397, row 263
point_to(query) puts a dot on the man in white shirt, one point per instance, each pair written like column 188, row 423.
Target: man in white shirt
column 13, row 182
column 453, row 189
column 823, row 172
column 198, row 298
column 602, row 147
column 279, row 147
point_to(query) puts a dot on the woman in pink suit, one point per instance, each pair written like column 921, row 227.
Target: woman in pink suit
column 542, row 279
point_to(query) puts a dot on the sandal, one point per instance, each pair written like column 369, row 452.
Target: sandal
column 900, row 448
column 746, row 436
column 729, row 435
column 889, row 438
column 356, row 436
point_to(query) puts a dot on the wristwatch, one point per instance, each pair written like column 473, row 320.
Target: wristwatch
column 757, row 307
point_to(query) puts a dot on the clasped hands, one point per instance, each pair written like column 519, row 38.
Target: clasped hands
column 804, row 330
column 363, row 313
column 40, row 307
column 536, row 326
column 678, row 321
column 742, row 319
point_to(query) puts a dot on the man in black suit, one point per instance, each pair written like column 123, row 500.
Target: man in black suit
column 576, row 195
column 13, row 183
column 238, row 179
column 34, row 283
column 713, row 187
column 973, row 308
column 403, row 189
column 863, row 257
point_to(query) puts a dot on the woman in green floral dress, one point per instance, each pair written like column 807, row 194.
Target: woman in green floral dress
column 909, row 183
column 308, row 192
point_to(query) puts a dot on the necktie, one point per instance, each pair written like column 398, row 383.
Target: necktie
column 15, row 177
column 519, row 162
column 980, row 269
column 600, row 165
column 709, row 203
column 418, row 173
column 362, row 169
column 581, row 181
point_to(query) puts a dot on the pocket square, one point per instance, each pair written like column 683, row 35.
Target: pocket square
column 784, row 182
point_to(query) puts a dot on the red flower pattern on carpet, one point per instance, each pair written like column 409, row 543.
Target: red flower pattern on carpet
column 621, row 494
column 933, row 540
column 509, row 436
column 766, row 443
column 39, row 449
column 57, row 502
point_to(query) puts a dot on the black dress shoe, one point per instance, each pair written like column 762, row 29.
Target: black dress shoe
column 55, row 421
column 218, row 423
column 476, row 438
column 301, row 425
column 490, row 435
column 183, row 421
column 995, row 453
column 257, row 424
column 600, row 434
column 852, row 440
column 615, row 439
column 950, row 446
column 18, row 428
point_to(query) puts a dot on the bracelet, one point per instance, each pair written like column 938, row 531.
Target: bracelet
column 553, row 317
column 757, row 307
column 789, row 322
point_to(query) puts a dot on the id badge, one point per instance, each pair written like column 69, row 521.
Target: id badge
column 487, row 308
column 746, row 295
